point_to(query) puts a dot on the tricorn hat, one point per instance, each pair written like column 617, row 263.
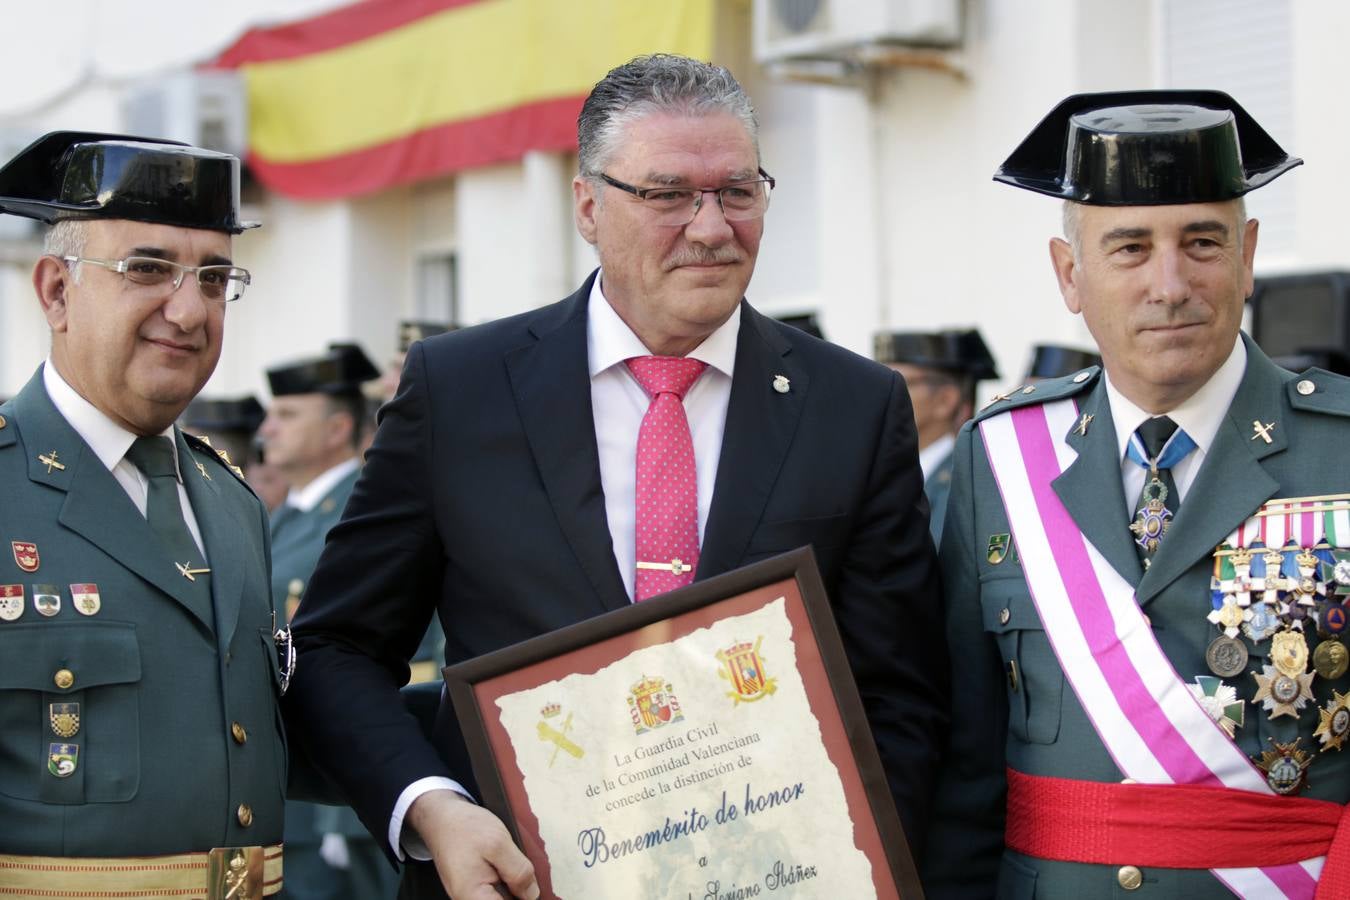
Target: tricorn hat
column 1143, row 148
column 342, row 370
column 954, row 351
column 1055, row 361
column 87, row 175
column 410, row 331
column 242, row 415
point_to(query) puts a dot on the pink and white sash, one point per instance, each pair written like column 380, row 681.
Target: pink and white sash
column 1145, row 716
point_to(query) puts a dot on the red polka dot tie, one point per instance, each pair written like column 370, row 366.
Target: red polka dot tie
column 667, row 480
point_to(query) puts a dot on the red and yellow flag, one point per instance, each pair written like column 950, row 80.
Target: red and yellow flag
column 386, row 92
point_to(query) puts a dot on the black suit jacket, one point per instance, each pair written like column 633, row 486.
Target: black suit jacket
column 481, row 501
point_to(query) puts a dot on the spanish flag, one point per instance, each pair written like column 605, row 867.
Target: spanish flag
column 387, row 92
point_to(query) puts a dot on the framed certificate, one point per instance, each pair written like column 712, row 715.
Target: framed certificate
column 708, row 744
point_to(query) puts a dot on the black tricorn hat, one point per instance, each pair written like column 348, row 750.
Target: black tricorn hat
column 954, row 351
column 242, row 415
column 342, row 370
column 88, row 175
column 1055, row 361
column 1144, row 148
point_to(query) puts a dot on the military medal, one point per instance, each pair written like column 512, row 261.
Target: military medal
column 1280, row 694
column 1285, row 766
column 62, row 759
column 1220, row 701
column 1335, row 722
column 11, row 602
column 65, row 719
column 1261, row 624
column 1330, row 660
column 47, row 599
column 1153, row 518
column 85, row 599
column 1226, row 656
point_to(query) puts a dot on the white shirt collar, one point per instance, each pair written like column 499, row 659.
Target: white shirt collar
column 109, row 441
column 609, row 340
column 931, row 457
column 308, row 497
column 1200, row 415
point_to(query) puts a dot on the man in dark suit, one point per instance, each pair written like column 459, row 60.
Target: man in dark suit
column 501, row 490
column 141, row 751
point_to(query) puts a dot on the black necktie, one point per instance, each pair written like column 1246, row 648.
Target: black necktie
column 164, row 513
column 1159, row 499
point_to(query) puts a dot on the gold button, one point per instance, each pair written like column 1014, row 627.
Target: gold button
column 3, row 423
column 238, row 733
column 1306, row 387
column 64, row 678
column 245, row 816
column 1130, row 878
column 1004, row 616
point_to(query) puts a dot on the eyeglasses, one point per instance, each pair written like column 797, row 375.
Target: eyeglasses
column 677, row 206
column 224, row 283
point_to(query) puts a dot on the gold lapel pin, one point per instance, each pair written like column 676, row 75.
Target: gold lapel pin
column 1083, row 424
column 201, row 468
column 1262, row 431
column 50, row 461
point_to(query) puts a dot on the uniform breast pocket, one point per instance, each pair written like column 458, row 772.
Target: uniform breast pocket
column 1032, row 677
column 70, row 712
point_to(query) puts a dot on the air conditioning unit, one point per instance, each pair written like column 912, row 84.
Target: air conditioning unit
column 203, row 108
column 789, row 30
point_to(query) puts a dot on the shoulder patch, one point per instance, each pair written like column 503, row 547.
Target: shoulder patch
column 219, row 458
column 1041, row 392
column 1319, row 391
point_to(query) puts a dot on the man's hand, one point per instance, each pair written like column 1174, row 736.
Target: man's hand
column 471, row 847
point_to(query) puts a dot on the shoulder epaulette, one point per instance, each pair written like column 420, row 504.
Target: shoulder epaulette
column 1041, row 392
column 1320, row 391
column 220, row 457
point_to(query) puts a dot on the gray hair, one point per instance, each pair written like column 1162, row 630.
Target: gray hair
column 661, row 82
column 1073, row 221
column 66, row 238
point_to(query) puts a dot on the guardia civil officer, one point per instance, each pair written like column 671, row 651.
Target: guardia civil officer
column 940, row 370
column 1151, row 695
column 141, row 751
column 311, row 434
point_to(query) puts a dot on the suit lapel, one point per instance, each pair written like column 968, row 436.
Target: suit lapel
column 221, row 535
column 1231, row 484
column 759, row 429
column 552, row 385
column 96, row 507
column 1090, row 488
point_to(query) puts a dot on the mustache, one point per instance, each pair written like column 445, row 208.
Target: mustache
column 702, row 256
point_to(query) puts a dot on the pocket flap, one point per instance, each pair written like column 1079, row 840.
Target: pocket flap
column 94, row 653
column 1006, row 605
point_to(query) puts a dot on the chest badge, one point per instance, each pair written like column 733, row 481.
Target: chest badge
column 11, row 602
column 85, row 599
column 26, row 555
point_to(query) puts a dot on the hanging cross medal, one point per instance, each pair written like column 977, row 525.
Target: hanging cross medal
column 1153, row 518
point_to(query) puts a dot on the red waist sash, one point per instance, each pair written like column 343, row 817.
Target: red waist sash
column 1175, row 826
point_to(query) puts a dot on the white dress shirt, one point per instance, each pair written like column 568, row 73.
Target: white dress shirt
column 306, row 498
column 618, row 403
column 931, row 457
column 110, row 443
column 1199, row 416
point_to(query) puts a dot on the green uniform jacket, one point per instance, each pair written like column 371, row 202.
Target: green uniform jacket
column 160, row 767
column 1037, row 725
column 936, row 487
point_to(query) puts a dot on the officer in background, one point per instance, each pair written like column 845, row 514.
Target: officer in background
column 1155, row 696
column 141, row 751
column 1056, row 361
column 311, row 436
column 941, row 369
